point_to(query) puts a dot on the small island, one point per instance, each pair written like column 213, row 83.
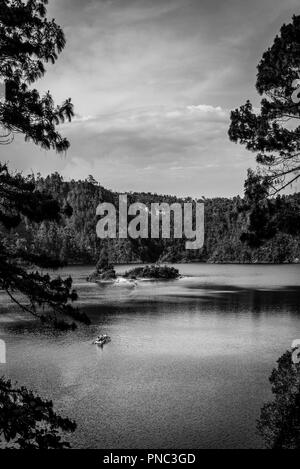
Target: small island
column 152, row 272
column 104, row 270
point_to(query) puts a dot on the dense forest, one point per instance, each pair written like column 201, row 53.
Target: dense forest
column 74, row 241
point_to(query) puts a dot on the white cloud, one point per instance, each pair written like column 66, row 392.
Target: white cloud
column 207, row 109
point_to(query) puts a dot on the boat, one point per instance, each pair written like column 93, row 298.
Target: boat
column 102, row 339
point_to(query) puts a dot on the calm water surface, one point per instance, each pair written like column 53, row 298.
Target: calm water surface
column 188, row 363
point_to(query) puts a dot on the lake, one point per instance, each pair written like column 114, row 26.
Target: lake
column 188, row 364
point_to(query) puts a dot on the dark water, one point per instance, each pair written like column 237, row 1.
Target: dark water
column 188, row 364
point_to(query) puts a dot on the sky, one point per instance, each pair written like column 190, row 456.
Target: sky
column 153, row 83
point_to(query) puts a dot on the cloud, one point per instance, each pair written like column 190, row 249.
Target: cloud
column 157, row 117
column 153, row 82
column 207, row 109
column 158, row 134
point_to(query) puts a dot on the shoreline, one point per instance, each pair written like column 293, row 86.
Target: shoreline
column 119, row 264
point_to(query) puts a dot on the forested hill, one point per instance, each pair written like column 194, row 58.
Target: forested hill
column 74, row 240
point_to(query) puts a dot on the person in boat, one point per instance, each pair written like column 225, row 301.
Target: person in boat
column 102, row 337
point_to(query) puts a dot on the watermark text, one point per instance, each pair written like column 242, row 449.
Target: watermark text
column 187, row 220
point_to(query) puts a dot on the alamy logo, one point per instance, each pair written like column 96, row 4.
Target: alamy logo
column 188, row 219
column 2, row 352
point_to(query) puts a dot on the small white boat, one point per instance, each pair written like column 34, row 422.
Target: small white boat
column 102, row 339
column 125, row 282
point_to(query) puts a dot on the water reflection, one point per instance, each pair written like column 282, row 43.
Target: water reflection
column 187, row 366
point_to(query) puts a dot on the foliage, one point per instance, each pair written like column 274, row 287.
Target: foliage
column 153, row 272
column 28, row 40
column 21, row 201
column 103, row 262
column 273, row 133
column 100, row 275
column 279, row 422
column 104, row 269
column 74, row 241
column 29, row 422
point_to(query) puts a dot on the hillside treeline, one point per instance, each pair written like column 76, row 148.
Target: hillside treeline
column 74, row 241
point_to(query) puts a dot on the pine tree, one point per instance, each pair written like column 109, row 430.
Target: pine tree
column 279, row 422
column 273, row 132
column 28, row 40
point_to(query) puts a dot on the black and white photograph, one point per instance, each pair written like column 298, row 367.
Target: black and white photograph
column 149, row 227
